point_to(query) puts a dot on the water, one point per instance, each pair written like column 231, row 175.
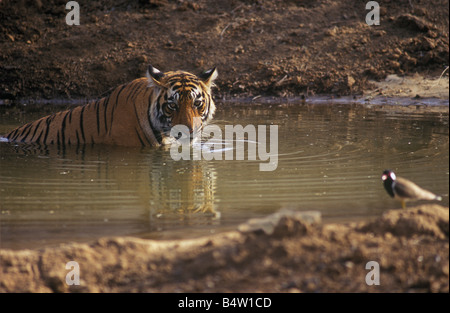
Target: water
column 330, row 158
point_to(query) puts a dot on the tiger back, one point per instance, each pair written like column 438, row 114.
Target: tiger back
column 140, row 113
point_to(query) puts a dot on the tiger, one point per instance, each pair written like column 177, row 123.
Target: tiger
column 140, row 113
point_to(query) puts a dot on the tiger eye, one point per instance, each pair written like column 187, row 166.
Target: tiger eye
column 171, row 106
column 158, row 96
column 198, row 103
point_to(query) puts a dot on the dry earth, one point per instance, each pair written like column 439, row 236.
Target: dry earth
column 269, row 48
column 284, row 252
column 260, row 47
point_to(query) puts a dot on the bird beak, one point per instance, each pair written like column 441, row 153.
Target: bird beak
column 384, row 177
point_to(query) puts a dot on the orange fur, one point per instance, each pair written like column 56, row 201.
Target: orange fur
column 134, row 114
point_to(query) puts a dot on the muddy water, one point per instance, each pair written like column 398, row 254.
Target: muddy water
column 330, row 158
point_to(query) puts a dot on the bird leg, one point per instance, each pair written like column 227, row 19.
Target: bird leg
column 403, row 204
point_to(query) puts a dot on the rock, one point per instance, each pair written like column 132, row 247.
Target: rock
column 413, row 23
column 282, row 223
column 428, row 43
column 331, row 31
column 431, row 220
column 350, row 81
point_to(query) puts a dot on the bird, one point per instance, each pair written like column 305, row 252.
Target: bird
column 403, row 189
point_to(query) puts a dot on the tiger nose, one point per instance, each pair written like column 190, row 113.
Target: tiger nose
column 193, row 123
column 196, row 125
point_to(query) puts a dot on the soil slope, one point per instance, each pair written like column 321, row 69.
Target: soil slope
column 284, row 252
column 261, row 47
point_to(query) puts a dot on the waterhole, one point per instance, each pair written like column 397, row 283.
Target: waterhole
column 330, row 158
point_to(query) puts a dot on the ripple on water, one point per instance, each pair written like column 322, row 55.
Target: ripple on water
column 329, row 158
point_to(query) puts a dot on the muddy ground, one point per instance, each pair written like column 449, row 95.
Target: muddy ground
column 289, row 252
column 261, row 48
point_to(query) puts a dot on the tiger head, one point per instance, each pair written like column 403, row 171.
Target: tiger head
column 181, row 98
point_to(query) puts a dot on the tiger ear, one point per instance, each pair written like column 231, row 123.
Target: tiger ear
column 154, row 77
column 209, row 76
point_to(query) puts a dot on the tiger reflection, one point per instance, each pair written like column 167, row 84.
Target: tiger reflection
column 122, row 182
column 183, row 189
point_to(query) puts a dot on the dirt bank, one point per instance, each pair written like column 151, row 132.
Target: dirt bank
column 289, row 252
column 261, row 47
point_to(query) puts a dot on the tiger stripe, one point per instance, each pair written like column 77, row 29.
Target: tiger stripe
column 140, row 113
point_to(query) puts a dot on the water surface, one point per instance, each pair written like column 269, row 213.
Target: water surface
column 330, row 159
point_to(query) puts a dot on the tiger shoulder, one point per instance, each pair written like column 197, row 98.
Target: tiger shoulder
column 140, row 113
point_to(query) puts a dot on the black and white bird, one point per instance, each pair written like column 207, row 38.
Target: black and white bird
column 404, row 190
